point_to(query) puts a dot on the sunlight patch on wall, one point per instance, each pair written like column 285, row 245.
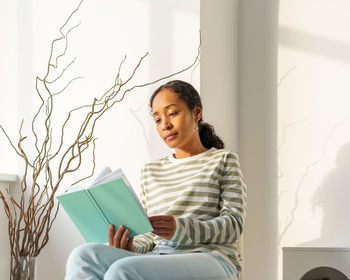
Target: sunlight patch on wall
column 313, row 123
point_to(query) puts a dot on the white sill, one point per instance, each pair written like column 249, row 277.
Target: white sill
column 6, row 177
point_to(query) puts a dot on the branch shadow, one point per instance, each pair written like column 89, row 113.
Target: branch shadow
column 332, row 196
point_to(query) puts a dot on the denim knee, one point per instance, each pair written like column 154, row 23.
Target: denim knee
column 83, row 263
column 84, row 252
column 124, row 269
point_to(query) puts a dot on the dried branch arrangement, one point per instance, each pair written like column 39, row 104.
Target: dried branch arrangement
column 31, row 215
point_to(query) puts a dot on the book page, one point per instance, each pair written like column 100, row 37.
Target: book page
column 105, row 171
column 108, row 177
column 112, row 175
column 102, row 174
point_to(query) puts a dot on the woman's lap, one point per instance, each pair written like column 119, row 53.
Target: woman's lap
column 99, row 261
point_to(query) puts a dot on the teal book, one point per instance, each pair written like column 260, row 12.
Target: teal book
column 109, row 200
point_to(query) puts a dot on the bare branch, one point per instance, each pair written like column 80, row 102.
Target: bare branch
column 32, row 214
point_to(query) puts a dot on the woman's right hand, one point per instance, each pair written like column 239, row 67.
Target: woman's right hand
column 120, row 238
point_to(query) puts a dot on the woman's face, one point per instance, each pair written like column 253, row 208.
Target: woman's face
column 175, row 123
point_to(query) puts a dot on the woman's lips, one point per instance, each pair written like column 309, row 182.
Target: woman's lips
column 170, row 136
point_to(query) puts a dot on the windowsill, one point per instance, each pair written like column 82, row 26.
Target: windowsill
column 10, row 178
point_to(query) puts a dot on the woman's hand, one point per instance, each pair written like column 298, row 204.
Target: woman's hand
column 120, row 239
column 163, row 225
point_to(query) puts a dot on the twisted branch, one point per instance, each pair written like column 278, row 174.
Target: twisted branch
column 31, row 216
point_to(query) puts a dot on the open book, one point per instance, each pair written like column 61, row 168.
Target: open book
column 109, row 200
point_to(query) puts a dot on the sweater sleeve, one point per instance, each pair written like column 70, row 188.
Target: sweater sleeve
column 228, row 226
column 144, row 242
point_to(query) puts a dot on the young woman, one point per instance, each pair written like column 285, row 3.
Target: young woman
column 195, row 199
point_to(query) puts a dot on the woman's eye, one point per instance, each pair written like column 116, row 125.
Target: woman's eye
column 172, row 114
column 157, row 120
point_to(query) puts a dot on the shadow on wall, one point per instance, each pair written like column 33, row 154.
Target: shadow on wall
column 333, row 197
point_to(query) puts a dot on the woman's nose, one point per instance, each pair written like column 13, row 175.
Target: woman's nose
column 167, row 125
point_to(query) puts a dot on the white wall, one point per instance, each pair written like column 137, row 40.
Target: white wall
column 8, row 80
column 169, row 30
column 8, row 114
column 293, row 119
column 293, row 126
column 313, row 123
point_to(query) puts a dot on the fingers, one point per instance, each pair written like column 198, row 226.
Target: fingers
column 118, row 235
column 160, row 218
column 163, row 225
column 124, row 240
column 110, row 235
column 162, row 221
column 119, row 239
column 130, row 245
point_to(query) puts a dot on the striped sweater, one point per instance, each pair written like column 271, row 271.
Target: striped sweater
column 206, row 194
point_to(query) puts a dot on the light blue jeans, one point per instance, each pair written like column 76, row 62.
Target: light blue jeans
column 94, row 261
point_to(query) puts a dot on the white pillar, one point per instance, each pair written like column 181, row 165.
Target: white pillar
column 218, row 86
column 239, row 92
column 257, row 105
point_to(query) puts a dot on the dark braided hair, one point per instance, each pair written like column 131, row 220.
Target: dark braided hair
column 189, row 94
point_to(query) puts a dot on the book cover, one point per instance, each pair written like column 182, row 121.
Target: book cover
column 109, row 200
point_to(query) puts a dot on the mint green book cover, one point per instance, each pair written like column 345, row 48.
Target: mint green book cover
column 93, row 209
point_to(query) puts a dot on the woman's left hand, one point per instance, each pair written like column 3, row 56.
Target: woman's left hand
column 163, row 225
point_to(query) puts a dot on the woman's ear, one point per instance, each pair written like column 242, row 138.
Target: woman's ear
column 197, row 113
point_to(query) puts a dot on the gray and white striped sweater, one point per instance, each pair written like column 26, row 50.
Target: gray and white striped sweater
column 206, row 194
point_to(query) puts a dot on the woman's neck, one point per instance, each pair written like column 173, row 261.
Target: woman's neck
column 184, row 153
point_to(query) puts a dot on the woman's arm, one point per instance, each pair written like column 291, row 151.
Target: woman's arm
column 143, row 243
column 228, row 226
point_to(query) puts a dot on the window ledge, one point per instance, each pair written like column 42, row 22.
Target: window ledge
column 6, row 177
